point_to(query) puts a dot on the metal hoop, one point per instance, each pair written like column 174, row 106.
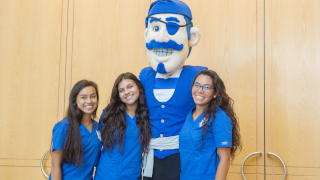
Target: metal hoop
column 284, row 166
column 41, row 164
column 255, row 153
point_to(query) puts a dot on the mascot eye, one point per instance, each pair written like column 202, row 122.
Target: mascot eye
column 156, row 29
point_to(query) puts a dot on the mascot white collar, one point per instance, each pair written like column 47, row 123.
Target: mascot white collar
column 169, row 35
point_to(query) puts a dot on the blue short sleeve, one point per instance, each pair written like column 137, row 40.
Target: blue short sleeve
column 59, row 135
column 222, row 130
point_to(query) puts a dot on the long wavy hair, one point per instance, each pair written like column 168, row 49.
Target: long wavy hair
column 115, row 119
column 72, row 151
column 223, row 101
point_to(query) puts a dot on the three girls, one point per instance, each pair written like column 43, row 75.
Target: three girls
column 208, row 139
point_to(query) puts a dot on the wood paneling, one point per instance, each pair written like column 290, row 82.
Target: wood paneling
column 279, row 177
column 292, row 87
column 248, row 176
column 107, row 41
column 30, row 36
column 18, row 173
column 293, row 84
column 30, row 41
column 293, row 171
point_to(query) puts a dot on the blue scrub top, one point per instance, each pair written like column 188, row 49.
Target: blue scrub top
column 91, row 148
column 200, row 161
column 113, row 164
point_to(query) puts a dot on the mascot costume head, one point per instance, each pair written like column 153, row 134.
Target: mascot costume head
column 169, row 35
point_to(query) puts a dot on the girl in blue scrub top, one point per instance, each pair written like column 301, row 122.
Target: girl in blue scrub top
column 76, row 140
column 211, row 134
column 125, row 131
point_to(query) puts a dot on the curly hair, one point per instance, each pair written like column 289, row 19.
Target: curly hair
column 72, row 150
column 115, row 119
column 223, row 101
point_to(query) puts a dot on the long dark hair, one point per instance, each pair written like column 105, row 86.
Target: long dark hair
column 72, row 151
column 115, row 119
column 223, row 101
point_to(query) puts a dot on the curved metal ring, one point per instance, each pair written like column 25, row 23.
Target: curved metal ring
column 255, row 153
column 41, row 164
column 284, row 166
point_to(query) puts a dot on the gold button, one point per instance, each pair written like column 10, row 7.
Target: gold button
column 160, row 149
column 162, row 106
column 161, row 135
column 162, row 120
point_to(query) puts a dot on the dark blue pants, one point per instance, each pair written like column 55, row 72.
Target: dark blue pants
column 168, row 168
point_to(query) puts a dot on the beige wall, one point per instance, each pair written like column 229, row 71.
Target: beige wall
column 267, row 53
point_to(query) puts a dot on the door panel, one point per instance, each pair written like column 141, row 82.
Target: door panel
column 293, row 86
column 30, row 36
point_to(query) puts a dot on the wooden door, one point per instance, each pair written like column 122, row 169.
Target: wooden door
column 30, row 55
column 293, row 88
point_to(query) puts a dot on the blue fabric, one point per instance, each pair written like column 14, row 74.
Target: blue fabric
column 113, row 164
column 165, row 45
column 169, row 6
column 175, row 109
column 169, row 83
column 91, row 146
column 200, row 161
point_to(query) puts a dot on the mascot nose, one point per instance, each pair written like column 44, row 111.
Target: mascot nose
column 162, row 36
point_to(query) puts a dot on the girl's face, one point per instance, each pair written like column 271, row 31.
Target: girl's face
column 128, row 92
column 87, row 100
column 203, row 90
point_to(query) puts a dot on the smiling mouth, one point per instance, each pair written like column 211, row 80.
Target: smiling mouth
column 199, row 97
column 163, row 52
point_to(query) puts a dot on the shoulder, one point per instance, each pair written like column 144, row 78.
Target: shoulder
column 63, row 124
column 103, row 114
column 220, row 113
column 94, row 122
column 60, row 129
column 194, row 68
column 222, row 119
column 96, row 125
column 59, row 134
column 145, row 73
column 192, row 71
